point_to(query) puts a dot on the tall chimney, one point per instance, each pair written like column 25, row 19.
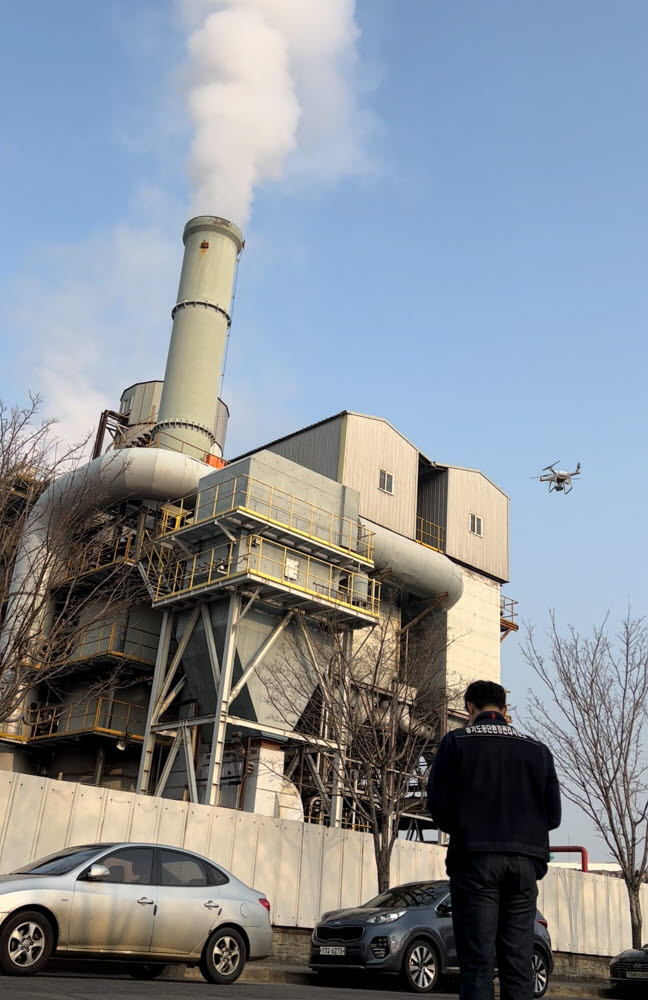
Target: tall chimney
column 189, row 403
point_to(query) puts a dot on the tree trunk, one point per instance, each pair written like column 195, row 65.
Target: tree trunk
column 383, row 853
column 634, row 895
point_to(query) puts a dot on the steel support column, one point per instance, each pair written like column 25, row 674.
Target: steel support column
column 224, row 687
column 146, row 760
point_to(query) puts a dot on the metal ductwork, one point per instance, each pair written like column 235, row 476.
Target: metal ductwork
column 201, row 317
column 416, row 568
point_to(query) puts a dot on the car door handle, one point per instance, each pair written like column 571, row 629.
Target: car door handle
column 211, row 905
column 145, row 902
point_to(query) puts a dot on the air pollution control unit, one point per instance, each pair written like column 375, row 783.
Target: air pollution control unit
column 253, row 570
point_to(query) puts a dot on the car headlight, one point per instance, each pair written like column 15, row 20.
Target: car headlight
column 387, row 918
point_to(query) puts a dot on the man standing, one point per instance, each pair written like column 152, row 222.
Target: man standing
column 495, row 791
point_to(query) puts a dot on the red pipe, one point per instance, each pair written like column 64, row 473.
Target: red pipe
column 579, row 850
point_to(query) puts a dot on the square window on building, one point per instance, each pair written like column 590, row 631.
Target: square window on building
column 386, row 482
column 476, row 524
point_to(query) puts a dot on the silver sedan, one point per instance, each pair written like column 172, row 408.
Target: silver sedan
column 145, row 904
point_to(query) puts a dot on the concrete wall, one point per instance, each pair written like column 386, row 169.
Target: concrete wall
column 473, row 651
column 304, row 869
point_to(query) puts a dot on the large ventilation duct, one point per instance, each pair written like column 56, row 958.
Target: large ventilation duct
column 416, row 568
column 189, row 404
column 152, row 473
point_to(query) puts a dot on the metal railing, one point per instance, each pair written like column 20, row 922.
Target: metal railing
column 256, row 556
column 163, row 439
column 429, row 534
column 103, row 555
column 100, row 715
column 507, row 610
column 123, row 641
column 250, row 495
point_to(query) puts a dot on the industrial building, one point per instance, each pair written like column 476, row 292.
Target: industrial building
column 241, row 560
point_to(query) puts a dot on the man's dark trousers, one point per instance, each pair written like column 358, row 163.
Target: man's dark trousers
column 493, row 916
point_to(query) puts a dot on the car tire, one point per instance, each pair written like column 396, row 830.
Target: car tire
column 224, row 956
column 26, row 943
column 420, row 966
column 145, row 970
column 540, row 974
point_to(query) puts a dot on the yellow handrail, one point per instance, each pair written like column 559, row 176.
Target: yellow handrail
column 103, row 555
column 109, row 716
column 429, row 534
column 276, row 506
column 115, row 639
column 268, row 560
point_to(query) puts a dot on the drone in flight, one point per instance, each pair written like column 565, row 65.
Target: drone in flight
column 557, row 479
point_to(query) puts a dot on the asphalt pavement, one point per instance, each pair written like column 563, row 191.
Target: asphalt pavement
column 88, row 987
column 45, row 987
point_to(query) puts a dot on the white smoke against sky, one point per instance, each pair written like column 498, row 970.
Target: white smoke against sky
column 271, row 91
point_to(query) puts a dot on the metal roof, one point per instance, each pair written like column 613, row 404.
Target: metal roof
column 368, row 416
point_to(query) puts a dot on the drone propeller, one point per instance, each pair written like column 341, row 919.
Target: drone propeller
column 550, row 468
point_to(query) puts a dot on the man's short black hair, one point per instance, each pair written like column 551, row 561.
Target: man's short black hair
column 482, row 693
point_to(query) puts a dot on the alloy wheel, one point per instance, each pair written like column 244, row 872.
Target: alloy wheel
column 227, row 955
column 540, row 975
column 26, row 944
column 422, row 966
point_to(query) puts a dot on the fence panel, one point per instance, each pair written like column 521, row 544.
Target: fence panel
column 57, row 807
column 351, row 874
column 118, row 808
column 288, row 872
column 265, row 862
column 197, row 830
column 332, row 853
column 303, row 869
column 145, row 820
column 22, row 831
column 310, row 880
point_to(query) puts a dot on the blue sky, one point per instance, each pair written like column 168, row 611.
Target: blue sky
column 481, row 283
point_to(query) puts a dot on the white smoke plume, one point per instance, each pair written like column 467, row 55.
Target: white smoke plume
column 271, row 90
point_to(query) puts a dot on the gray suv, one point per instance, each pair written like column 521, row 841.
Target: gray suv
column 407, row 931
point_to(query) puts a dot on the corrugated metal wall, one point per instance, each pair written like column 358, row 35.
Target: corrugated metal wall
column 433, row 499
column 471, row 493
column 371, row 445
column 317, row 448
column 304, row 869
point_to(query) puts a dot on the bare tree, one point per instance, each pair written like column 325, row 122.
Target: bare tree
column 370, row 708
column 51, row 512
column 594, row 717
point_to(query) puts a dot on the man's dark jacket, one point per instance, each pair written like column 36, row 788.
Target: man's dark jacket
column 495, row 791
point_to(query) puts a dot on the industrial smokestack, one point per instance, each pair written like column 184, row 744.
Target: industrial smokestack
column 189, row 403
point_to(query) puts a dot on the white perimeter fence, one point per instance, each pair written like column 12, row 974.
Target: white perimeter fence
column 302, row 868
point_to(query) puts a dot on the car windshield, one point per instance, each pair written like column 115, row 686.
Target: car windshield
column 418, row 894
column 60, row 863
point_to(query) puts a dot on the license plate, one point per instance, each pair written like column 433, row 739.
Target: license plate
column 333, row 949
column 637, row 975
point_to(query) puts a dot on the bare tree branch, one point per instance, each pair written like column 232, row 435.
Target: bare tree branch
column 374, row 709
column 595, row 720
column 50, row 601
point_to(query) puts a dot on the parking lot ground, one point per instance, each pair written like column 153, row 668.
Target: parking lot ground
column 88, row 986
column 58, row 987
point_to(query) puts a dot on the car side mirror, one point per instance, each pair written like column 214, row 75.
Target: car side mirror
column 444, row 909
column 96, row 872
